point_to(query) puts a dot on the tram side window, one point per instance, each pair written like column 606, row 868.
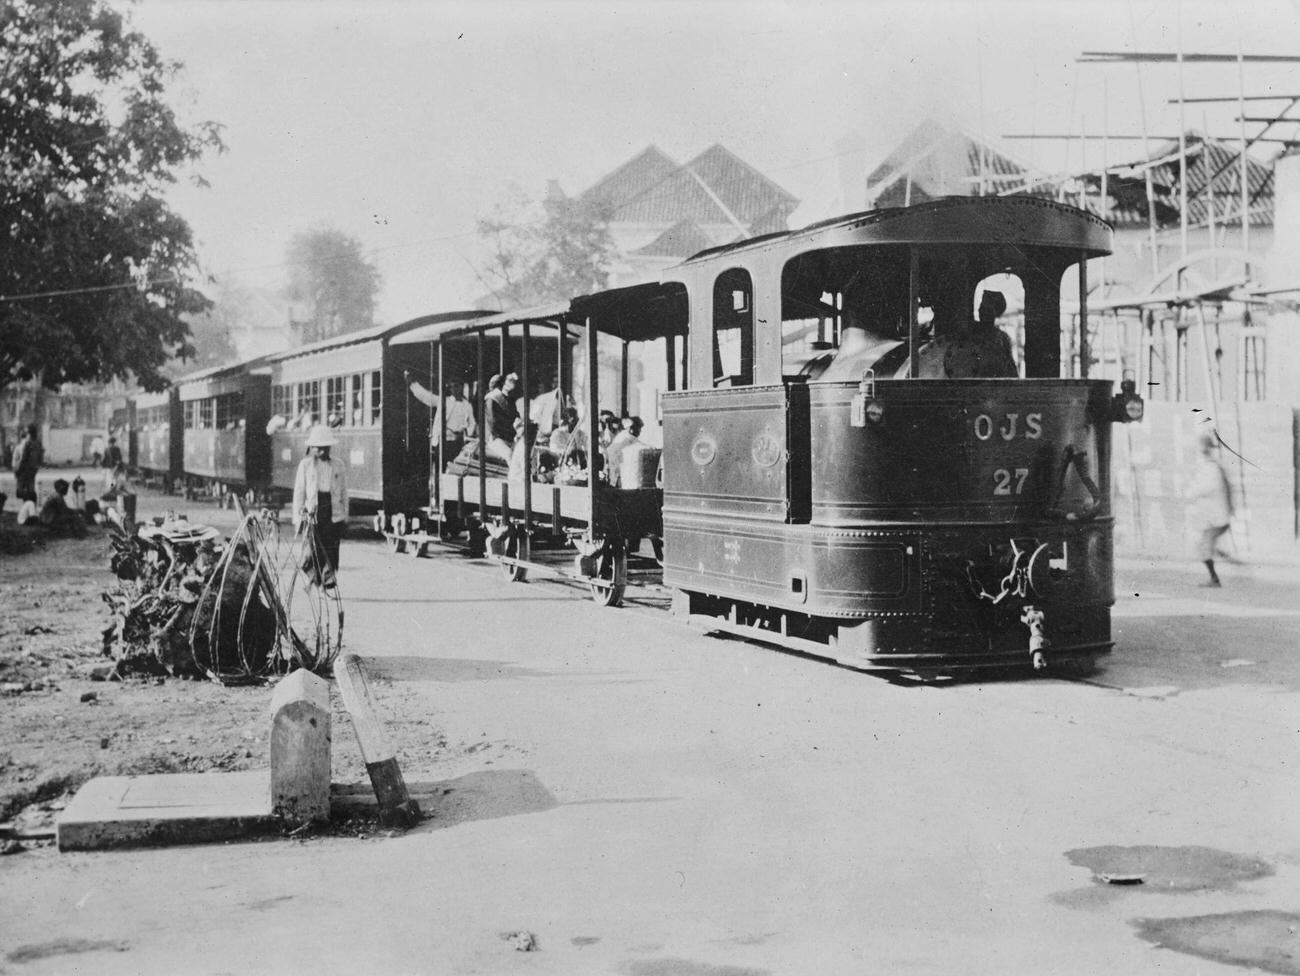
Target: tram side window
column 356, row 400
column 335, row 400
column 376, row 398
column 307, row 408
column 205, row 412
column 282, row 401
column 229, row 411
column 733, row 329
column 190, row 415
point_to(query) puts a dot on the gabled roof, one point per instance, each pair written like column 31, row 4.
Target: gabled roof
column 681, row 240
column 938, row 161
column 1210, row 162
column 716, row 187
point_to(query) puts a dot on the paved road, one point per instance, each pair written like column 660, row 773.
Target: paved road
column 646, row 800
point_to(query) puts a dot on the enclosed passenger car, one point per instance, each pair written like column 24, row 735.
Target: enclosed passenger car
column 356, row 385
column 157, row 441
column 224, row 411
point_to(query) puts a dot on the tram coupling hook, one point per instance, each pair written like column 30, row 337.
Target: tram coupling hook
column 1036, row 621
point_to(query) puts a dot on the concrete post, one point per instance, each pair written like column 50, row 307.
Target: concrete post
column 396, row 808
column 300, row 748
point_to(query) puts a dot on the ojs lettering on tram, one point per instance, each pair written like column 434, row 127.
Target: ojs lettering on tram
column 1008, row 426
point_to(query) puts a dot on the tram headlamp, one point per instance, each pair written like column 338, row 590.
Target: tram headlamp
column 1126, row 406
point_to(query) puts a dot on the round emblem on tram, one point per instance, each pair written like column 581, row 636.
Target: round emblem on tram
column 766, row 449
column 704, row 449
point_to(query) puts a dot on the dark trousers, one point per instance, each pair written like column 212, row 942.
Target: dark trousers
column 451, row 449
column 328, row 532
column 25, row 486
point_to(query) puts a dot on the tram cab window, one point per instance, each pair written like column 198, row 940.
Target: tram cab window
column 733, row 329
column 843, row 311
column 969, row 336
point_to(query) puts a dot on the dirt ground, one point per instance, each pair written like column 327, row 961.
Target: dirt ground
column 62, row 723
column 59, row 725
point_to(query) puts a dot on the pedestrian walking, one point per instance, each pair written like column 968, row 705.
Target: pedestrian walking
column 320, row 493
column 1212, row 508
column 28, row 457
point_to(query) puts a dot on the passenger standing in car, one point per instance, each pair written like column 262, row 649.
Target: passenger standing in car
column 499, row 416
column 320, row 492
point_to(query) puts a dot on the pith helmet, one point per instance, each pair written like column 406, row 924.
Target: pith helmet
column 320, row 437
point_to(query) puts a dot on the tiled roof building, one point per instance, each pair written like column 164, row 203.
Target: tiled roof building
column 937, row 161
column 1210, row 164
column 662, row 212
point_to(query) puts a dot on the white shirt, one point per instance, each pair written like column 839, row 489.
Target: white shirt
column 315, row 476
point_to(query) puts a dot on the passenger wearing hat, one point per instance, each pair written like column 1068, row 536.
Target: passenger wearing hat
column 320, row 491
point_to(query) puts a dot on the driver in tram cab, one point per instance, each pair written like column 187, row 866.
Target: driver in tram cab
column 981, row 350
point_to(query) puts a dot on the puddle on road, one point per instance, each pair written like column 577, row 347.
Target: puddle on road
column 1267, row 940
column 1169, row 869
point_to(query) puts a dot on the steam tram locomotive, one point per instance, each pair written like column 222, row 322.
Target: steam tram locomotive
column 866, row 501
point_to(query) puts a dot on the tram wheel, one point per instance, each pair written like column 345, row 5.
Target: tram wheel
column 516, row 548
column 395, row 543
column 449, row 530
column 611, row 571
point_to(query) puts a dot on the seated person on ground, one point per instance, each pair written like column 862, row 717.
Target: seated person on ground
column 57, row 516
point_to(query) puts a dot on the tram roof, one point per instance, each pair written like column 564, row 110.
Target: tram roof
column 391, row 333
column 1019, row 220
column 226, row 369
column 635, row 313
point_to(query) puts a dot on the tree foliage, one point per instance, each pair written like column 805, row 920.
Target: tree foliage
column 97, row 270
column 563, row 250
column 212, row 332
column 331, row 284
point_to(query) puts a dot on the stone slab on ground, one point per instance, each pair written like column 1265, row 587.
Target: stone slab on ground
column 169, row 808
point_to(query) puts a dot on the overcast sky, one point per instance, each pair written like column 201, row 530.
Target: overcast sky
column 400, row 123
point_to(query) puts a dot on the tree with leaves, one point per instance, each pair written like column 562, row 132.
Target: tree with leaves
column 331, row 285
column 212, row 332
column 97, row 270
column 565, row 249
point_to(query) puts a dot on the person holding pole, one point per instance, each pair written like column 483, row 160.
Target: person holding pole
column 320, row 490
